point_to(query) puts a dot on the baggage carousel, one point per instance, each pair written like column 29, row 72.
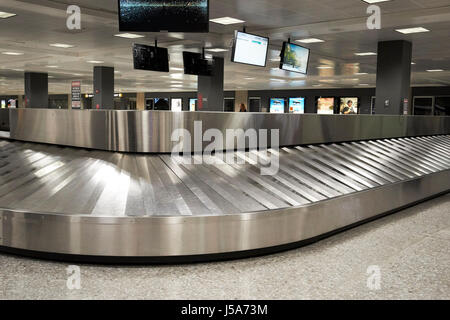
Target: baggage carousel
column 102, row 206
column 79, row 204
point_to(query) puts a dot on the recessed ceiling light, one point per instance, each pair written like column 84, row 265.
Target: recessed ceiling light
column 61, row 45
column 360, row 73
column 363, row 84
column 9, row 53
column 217, row 50
column 310, row 40
column 53, row 67
column 227, row 20
column 325, row 67
column 5, row 15
column 363, row 54
column 249, row 78
column 176, row 85
column 435, row 70
column 95, row 61
column 129, row 35
column 412, row 30
column 374, row 1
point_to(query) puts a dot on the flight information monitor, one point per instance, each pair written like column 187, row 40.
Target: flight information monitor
column 150, row 58
column 296, row 105
column 250, row 49
column 164, row 15
column 294, row 58
column 196, row 64
column 277, row 105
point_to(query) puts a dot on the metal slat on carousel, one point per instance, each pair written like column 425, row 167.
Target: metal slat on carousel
column 92, row 205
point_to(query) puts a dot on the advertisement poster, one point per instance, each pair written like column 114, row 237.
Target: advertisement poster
column 297, row 105
column 276, row 105
column 325, row 105
column 76, row 94
column 349, row 106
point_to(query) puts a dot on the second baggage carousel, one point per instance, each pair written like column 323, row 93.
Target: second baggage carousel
column 79, row 204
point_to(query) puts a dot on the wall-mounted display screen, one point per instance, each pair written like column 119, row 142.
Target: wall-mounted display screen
column 294, row 58
column 296, row 105
column 164, row 15
column 176, row 104
column 161, row 104
column 349, row 106
column 325, row 105
column 150, row 58
column 195, row 64
column 192, row 104
column 250, row 49
column 277, row 105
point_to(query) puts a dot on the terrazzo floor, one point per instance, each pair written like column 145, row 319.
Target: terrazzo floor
column 411, row 249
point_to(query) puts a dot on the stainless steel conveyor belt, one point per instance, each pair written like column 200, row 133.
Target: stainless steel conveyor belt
column 87, row 203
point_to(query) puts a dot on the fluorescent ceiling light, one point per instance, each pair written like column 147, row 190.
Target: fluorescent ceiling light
column 412, row 30
column 374, row 1
column 9, row 53
column 5, row 15
column 281, row 80
column 249, row 78
column 360, row 73
column 363, row 84
column 53, row 67
column 363, row 54
column 129, row 35
column 61, row 45
column 227, row 20
column 176, row 69
column 95, row 61
column 310, row 40
column 217, row 50
column 435, row 70
column 325, row 67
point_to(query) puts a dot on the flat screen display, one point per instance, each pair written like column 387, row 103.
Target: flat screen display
column 192, row 104
column 161, row 104
column 294, row 58
column 250, row 49
column 296, row 105
column 277, row 105
column 349, row 106
column 195, row 64
column 150, row 58
column 176, row 104
column 325, row 105
column 164, row 15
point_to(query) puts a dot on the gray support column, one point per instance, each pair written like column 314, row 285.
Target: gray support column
column 103, row 88
column 36, row 90
column 211, row 88
column 393, row 76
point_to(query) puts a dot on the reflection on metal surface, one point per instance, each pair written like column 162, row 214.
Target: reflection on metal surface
column 150, row 131
column 95, row 203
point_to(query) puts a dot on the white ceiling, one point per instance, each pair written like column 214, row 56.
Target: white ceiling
column 342, row 24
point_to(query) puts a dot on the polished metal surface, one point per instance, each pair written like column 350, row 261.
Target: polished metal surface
column 151, row 131
column 95, row 203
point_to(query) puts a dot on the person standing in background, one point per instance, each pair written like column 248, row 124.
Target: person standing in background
column 242, row 108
